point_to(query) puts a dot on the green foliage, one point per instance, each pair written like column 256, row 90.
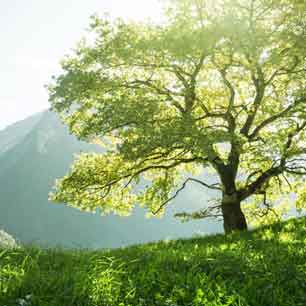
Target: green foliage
column 169, row 98
column 265, row 267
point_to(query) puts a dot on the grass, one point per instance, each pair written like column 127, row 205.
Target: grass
column 263, row 267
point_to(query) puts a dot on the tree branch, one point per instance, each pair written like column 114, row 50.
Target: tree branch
column 259, row 182
column 275, row 117
column 213, row 186
column 209, row 212
column 259, row 84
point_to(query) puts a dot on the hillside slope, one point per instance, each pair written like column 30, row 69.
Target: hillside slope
column 36, row 151
column 12, row 135
column 266, row 267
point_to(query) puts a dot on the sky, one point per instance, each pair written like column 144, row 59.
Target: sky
column 36, row 34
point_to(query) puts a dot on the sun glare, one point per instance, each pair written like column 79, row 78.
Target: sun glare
column 138, row 9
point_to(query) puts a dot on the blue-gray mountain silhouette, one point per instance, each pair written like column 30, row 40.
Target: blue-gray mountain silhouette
column 36, row 151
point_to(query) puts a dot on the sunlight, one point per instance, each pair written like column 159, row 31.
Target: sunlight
column 137, row 9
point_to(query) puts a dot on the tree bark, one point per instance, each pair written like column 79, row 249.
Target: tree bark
column 233, row 217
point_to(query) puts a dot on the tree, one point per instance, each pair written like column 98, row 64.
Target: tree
column 219, row 85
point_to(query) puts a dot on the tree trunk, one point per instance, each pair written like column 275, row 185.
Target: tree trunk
column 233, row 217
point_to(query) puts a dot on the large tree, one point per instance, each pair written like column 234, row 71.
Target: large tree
column 218, row 85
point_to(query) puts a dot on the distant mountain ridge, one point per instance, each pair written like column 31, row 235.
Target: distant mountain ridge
column 36, row 151
column 13, row 134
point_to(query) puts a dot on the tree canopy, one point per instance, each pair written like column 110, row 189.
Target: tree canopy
column 219, row 85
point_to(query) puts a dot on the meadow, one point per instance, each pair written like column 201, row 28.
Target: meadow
column 266, row 266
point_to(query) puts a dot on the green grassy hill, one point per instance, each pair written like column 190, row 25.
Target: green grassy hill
column 263, row 267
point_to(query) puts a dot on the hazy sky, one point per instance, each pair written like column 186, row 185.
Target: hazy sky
column 34, row 36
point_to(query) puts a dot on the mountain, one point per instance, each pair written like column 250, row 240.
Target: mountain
column 36, row 151
column 12, row 135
